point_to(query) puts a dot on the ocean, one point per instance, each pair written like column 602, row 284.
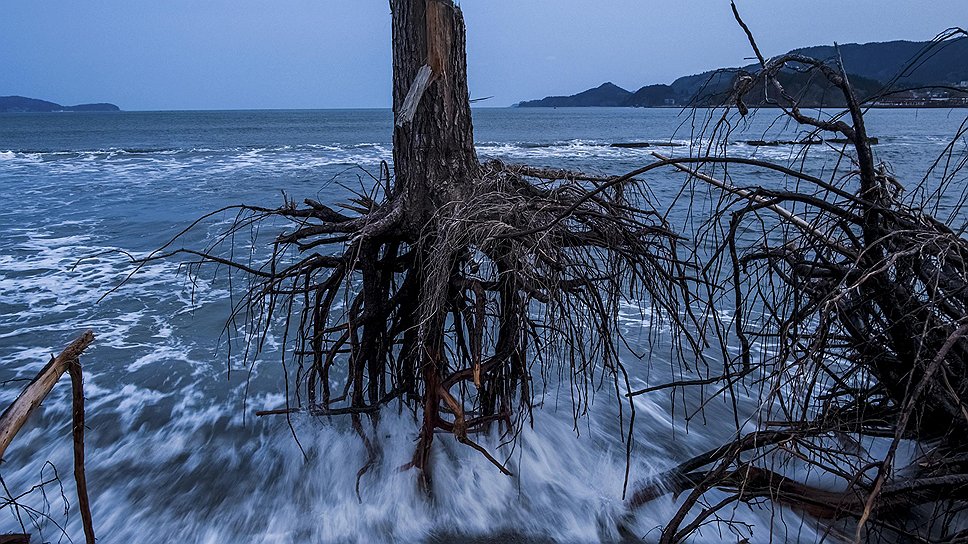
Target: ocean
column 175, row 452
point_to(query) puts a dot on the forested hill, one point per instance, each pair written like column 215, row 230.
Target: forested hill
column 22, row 104
column 870, row 66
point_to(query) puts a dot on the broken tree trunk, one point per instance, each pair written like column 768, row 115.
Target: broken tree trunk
column 434, row 160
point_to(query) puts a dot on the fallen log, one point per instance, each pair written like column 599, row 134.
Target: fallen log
column 777, row 143
column 639, row 145
column 810, row 141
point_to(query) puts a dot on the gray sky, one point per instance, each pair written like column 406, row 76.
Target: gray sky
column 228, row 54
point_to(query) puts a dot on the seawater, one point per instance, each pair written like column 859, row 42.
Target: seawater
column 175, row 453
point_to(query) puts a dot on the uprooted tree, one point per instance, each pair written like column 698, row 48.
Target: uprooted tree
column 851, row 318
column 453, row 284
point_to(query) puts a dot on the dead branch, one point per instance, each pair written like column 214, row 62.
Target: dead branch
column 16, row 415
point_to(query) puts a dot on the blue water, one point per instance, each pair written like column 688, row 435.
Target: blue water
column 174, row 452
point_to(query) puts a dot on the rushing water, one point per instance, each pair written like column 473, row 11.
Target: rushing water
column 174, row 451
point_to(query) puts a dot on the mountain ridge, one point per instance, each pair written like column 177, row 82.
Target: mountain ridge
column 23, row 104
column 870, row 67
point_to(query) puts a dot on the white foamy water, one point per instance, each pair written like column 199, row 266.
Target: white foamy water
column 175, row 452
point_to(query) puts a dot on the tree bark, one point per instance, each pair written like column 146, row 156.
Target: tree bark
column 433, row 153
column 434, row 163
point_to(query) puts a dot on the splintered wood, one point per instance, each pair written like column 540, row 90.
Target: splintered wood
column 440, row 35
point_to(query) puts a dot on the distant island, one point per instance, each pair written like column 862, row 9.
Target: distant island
column 871, row 68
column 22, row 104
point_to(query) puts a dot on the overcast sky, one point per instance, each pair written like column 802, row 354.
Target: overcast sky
column 240, row 54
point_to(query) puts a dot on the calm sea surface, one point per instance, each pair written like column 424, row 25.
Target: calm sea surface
column 175, row 453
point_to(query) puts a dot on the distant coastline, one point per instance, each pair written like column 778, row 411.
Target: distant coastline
column 22, row 104
column 940, row 81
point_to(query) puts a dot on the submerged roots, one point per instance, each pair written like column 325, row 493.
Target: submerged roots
column 522, row 277
column 837, row 303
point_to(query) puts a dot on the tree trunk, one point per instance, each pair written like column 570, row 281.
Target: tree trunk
column 434, row 163
column 433, row 151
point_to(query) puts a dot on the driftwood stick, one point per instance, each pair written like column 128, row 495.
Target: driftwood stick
column 14, row 417
column 83, row 503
